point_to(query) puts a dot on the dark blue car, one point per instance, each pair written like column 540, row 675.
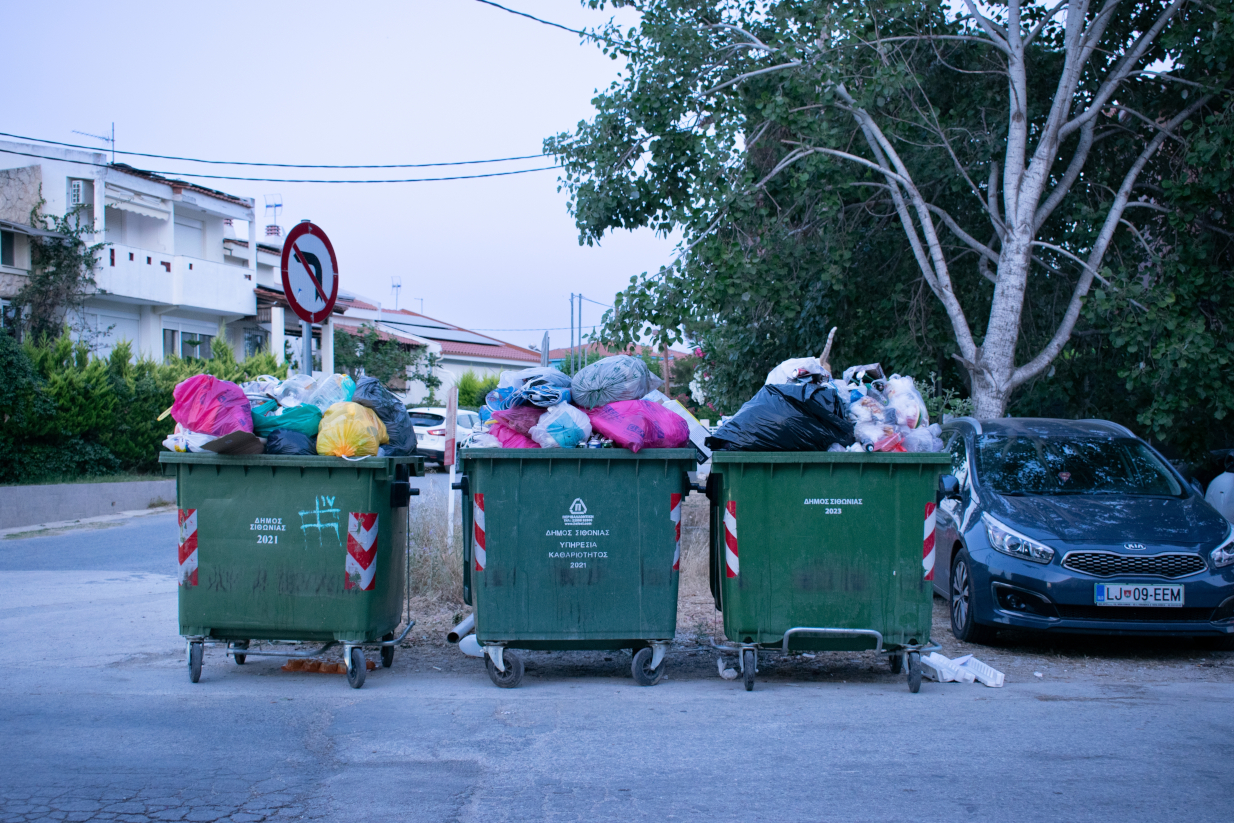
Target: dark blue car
column 1077, row 526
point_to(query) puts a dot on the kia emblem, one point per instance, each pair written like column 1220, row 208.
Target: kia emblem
column 1134, row 547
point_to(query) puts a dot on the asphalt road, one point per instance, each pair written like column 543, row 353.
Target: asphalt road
column 100, row 722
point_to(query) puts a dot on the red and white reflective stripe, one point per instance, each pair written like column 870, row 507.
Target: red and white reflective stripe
column 927, row 544
column 188, row 547
column 477, row 517
column 732, row 567
column 361, row 563
column 674, row 514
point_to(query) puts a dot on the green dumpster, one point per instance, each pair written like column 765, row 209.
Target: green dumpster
column 824, row 551
column 291, row 548
column 573, row 549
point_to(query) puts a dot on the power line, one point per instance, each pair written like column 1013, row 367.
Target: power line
column 276, row 165
column 175, row 174
column 581, row 32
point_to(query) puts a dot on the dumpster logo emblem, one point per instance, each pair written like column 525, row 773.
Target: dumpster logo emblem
column 477, row 518
column 578, row 515
column 361, row 551
column 927, row 545
column 732, row 567
column 188, row 547
column 674, row 514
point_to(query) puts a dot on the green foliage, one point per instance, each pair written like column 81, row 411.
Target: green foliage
column 367, row 354
column 471, row 389
column 67, row 413
column 777, row 250
column 61, row 274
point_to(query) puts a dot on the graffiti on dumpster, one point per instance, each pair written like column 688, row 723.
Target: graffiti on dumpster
column 322, row 517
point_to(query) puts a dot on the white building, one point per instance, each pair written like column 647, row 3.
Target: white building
column 459, row 350
column 173, row 274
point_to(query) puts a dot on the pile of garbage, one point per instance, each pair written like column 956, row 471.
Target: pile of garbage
column 302, row 415
column 614, row 402
column 801, row 407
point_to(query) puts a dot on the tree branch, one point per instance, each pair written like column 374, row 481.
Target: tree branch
column 789, row 65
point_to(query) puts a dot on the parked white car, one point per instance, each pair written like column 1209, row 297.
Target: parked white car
column 430, row 425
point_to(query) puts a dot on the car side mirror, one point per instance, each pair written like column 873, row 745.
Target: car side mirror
column 1198, row 486
column 948, row 488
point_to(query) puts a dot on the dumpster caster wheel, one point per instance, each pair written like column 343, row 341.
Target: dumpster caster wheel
column 914, row 672
column 387, row 652
column 896, row 661
column 196, row 650
column 512, row 676
column 357, row 670
column 640, row 667
column 235, row 655
column 748, row 667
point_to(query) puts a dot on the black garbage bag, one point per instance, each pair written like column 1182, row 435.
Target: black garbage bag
column 786, row 418
column 287, row 441
column 370, row 392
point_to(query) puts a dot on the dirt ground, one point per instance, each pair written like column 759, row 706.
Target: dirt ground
column 1021, row 656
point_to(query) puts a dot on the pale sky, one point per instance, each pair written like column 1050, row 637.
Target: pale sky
column 328, row 82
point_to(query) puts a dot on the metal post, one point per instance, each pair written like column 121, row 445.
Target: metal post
column 306, row 332
column 571, row 360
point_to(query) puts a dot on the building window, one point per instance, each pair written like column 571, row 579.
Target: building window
column 195, row 345
column 7, row 242
column 169, row 343
column 254, row 342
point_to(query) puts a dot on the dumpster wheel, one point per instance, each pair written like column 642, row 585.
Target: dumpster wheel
column 236, row 654
column 387, row 652
column 640, row 667
column 914, row 672
column 356, row 668
column 512, row 676
column 196, row 650
column 749, row 666
column 896, row 661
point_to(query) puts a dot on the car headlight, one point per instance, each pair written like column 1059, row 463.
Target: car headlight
column 1223, row 555
column 1011, row 542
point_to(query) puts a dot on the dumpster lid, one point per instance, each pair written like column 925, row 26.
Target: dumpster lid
column 901, row 458
column 386, row 464
column 582, row 454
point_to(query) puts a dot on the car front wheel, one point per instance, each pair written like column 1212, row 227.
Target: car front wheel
column 964, row 624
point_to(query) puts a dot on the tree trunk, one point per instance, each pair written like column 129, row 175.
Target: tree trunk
column 994, row 364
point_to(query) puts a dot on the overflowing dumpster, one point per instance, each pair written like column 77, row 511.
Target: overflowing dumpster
column 824, row 551
column 569, row 549
column 292, row 549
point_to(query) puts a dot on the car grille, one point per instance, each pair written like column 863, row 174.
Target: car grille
column 1134, row 614
column 1108, row 564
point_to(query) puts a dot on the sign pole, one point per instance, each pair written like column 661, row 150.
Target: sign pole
column 448, row 451
column 306, row 357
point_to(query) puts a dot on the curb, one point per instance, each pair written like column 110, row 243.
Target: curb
column 85, row 521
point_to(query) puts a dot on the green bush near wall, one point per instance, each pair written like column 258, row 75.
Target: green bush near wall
column 65, row 413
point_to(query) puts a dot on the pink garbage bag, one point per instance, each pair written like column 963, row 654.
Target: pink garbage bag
column 521, row 419
column 207, row 405
column 511, row 439
column 639, row 424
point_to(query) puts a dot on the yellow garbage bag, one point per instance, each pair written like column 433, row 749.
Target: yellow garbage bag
column 350, row 430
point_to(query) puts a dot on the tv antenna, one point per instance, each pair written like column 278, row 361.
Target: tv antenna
column 274, row 207
column 111, row 141
column 421, row 299
column 396, row 283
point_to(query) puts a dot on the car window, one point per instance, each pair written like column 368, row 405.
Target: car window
column 426, row 419
column 959, row 459
column 1020, row 464
column 470, row 420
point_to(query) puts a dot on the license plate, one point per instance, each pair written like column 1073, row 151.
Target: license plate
column 1138, row 594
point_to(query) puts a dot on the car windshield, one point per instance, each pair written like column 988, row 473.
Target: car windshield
column 1018, row 464
column 426, row 419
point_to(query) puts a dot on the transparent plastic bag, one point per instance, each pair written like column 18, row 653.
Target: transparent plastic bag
column 331, row 389
column 350, row 430
column 902, row 395
column 797, row 370
column 483, row 441
column 561, row 427
column 520, row 418
column 184, row 440
column 294, row 390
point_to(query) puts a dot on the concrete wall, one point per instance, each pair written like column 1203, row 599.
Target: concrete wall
column 32, row 505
